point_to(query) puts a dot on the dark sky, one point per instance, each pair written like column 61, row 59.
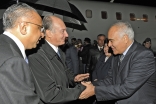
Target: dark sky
column 135, row 2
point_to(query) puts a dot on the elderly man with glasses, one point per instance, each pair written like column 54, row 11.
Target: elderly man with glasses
column 22, row 30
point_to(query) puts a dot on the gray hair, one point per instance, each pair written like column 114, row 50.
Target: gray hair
column 125, row 28
column 48, row 23
column 14, row 12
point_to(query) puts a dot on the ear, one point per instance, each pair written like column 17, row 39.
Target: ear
column 125, row 38
column 48, row 33
column 23, row 28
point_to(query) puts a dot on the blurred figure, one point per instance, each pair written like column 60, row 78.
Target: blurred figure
column 65, row 46
column 94, row 53
column 102, row 67
column 72, row 60
column 94, row 43
column 84, row 52
column 147, row 43
column 73, row 41
column 79, row 48
column 103, row 64
column 79, row 41
column 22, row 30
column 51, row 76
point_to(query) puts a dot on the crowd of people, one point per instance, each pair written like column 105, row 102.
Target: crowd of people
column 113, row 70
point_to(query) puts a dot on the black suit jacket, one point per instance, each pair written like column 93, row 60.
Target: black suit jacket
column 134, row 82
column 102, row 67
column 16, row 86
column 93, row 57
column 52, row 78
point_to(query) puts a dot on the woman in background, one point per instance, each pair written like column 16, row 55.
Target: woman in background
column 103, row 64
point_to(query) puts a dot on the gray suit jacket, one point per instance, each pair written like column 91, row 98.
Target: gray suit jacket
column 72, row 60
column 52, row 78
column 134, row 82
column 16, row 85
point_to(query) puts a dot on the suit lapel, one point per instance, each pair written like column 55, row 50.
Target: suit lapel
column 51, row 53
column 126, row 58
column 12, row 44
column 115, row 68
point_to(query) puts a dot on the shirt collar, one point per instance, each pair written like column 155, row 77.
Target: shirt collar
column 99, row 47
column 17, row 41
column 54, row 47
column 127, row 49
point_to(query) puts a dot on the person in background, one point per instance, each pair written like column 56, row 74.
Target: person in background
column 73, row 41
column 79, row 48
column 65, row 46
column 84, row 52
column 53, row 80
column 95, row 43
column 103, row 64
column 22, row 30
column 72, row 60
column 147, row 43
column 131, row 78
column 94, row 53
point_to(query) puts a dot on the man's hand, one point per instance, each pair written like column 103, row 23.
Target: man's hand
column 88, row 92
column 81, row 77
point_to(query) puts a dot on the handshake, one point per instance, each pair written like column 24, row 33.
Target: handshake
column 89, row 91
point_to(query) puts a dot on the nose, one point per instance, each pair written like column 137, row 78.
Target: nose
column 66, row 34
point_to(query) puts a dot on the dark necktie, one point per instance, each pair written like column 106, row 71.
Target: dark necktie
column 58, row 53
column 101, row 49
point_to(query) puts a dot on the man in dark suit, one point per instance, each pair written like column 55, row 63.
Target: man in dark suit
column 94, row 53
column 132, row 78
column 23, row 28
column 83, row 53
column 52, row 77
column 72, row 60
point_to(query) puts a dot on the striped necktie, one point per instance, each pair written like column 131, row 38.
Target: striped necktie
column 121, row 58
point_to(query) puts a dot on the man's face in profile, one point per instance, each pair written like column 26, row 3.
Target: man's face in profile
column 33, row 30
column 116, row 42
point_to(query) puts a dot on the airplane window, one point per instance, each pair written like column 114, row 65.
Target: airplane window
column 132, row 17
column 88, row 13
column 104, row 14
column 145, row 18
column 118, row 16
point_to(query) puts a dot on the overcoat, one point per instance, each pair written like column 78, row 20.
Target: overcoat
column 52, row 78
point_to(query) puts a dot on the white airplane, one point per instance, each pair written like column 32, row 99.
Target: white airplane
column 101, row 15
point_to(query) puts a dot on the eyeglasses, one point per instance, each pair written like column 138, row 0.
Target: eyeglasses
column 41, row 26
